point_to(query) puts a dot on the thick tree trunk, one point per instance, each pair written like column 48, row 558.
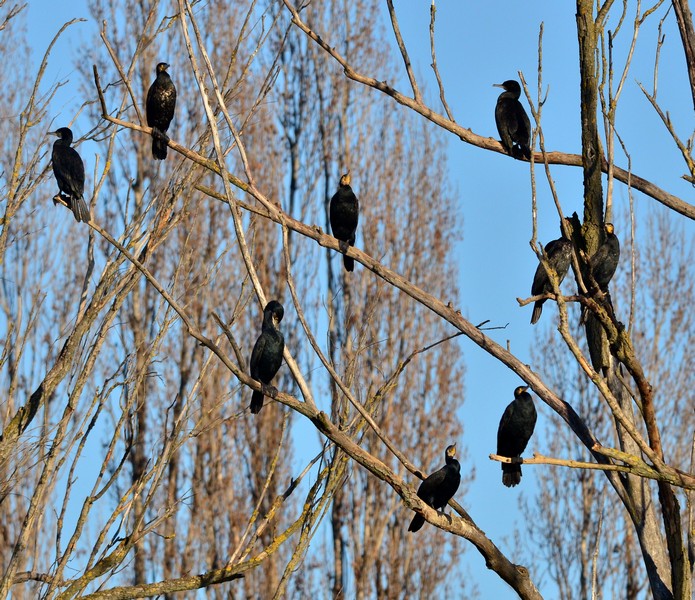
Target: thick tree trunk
column 684, row 19
column 642, row 510
column 642, row 513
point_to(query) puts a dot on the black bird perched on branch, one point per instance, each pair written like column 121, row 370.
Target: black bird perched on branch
column 515, row 430
column 604, row 263
column 68, row 169
column 161, row 102
column 439, row 487
column 344, row 214
column 605, row 260
column 266, row 356
column 512, row 121
column 558, row 254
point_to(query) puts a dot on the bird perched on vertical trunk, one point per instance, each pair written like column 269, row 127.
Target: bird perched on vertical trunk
column 558, row 255
column 604, row 263
column 161, row 103
column 605, row 260
column 512, row 121
column 439, row 487
column 266, row 356
column 344, row 214
column 68, row 169
column 515, row 430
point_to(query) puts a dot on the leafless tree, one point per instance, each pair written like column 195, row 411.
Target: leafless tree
column 130, row 466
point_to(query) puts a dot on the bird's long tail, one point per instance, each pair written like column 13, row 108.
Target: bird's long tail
column 537, row 310
column 256, row 402
column 511, row 474
column 159, row 148
column 417, row 523
column 80, row 210
column 349, row 263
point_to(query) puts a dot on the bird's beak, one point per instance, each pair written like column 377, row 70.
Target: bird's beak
column 55, row 133
column 525, row 388
column 166, row 66
column 497, row 85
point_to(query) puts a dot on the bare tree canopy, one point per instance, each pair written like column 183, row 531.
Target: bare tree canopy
column 269, row 203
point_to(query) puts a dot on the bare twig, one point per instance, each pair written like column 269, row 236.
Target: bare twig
column 440, row 85
column 404, row 52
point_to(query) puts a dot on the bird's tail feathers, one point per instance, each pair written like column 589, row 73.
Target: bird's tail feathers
column 417, row 523
column 256, row 402
column 537, row 310
column 511, row 474
column 80, row 210
column 159, row 148
column 349, row 263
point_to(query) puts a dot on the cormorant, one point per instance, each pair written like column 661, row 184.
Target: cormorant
column 161, row 102
column 515, row 430
column 603, row 264
column 68, row 169
column 439, row 487
column 344, row 214
column 266, row 357
column 605, row 261
column 558, row 254
column 512, row 121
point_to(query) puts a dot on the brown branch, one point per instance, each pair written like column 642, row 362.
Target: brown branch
column 191, row 582
column 666, row 120
column 440, row 85
column 633, row 465
column 12, row 13
column 539, row 459
column 547, row 296
column 404, row 52
column 124, row 78
column 26, row 576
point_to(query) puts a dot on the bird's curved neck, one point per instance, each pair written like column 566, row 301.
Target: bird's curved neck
column 268, row 322
column 510, row 95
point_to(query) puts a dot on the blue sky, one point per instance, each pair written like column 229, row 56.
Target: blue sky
column 478, row 44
